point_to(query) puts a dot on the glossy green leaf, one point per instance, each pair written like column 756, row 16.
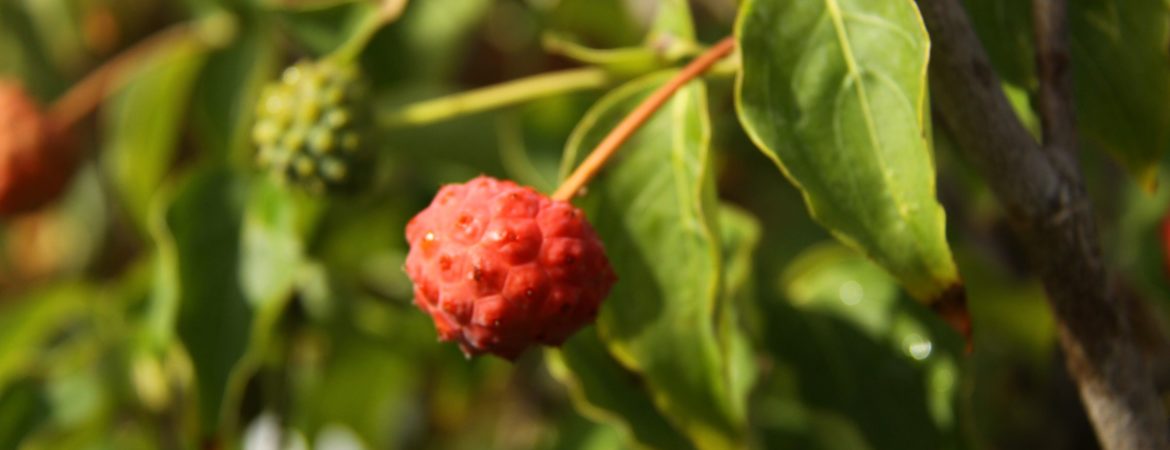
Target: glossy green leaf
column 834, row 91
column 1122, row 80
column 655, row 208
column 143, row 123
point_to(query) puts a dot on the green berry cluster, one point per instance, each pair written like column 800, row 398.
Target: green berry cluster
column 312, row 126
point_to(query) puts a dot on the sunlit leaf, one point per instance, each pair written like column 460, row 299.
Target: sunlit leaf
column 834, row 92
column 656, row 211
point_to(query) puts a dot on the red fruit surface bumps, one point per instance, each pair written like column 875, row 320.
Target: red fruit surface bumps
column 36, row 160
column 500, row 267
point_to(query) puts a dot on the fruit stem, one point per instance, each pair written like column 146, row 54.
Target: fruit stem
column 87, row 94
column 491, row 97
column 388, row 11
column 630, row 124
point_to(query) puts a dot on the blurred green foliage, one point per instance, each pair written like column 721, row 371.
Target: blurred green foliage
column 176, row 298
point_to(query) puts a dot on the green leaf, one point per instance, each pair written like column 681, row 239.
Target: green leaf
column 228, row 89
column 622, row 60
column 655, row 208
column 22, row 407
column 861, row 344
column 277, row 223
column 740, row 236
column 673, row 22
column 143, row 122
column 28, row 322
column 607, row 23
column 1005, row 28
column 670, row 38
column 1122, row 80
column 326, row 28
column 213, row 318
column 834, row 91
column 603, row 390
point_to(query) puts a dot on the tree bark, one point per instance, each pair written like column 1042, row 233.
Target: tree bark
column 1041, row 190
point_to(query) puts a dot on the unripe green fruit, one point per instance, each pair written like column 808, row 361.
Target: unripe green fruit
column 313, row 126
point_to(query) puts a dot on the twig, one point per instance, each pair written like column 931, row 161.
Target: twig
column 87, row 94
column 496, row 96
column 628, row 126
column 1044, row 197
column 1057, row 119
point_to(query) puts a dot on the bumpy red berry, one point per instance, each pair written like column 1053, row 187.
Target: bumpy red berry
column 500, row 267
column 313, row 125
column 36, row 156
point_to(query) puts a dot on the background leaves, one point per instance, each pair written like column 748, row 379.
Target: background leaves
column 174, row 298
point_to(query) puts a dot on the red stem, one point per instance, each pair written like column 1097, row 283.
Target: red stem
column 622, row 132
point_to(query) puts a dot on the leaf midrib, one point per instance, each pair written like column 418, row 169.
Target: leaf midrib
column 833, row 8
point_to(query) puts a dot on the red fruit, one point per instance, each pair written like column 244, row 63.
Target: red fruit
column 1164, row 231
column 36, row 158
column 500, row 267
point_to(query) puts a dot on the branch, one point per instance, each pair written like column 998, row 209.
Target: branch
column 1057, row 118
column 1044, row 197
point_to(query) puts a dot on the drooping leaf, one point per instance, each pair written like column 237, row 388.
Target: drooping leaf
column 834, row 91
column 212, row 316
column 656, row 211
column 846, row 346
column 603, row 390
column 1122, row 80
column 739, row 235
column 143, row 123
